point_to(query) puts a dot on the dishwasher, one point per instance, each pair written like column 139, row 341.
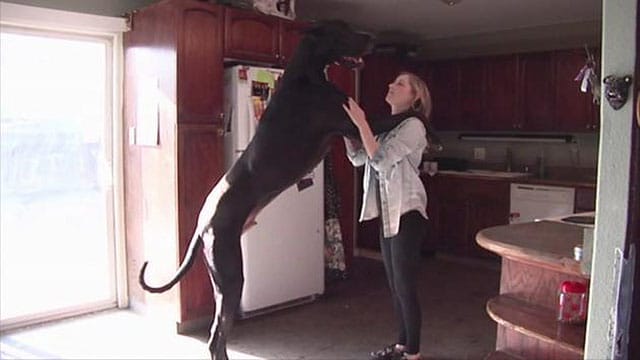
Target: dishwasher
column 530, row 202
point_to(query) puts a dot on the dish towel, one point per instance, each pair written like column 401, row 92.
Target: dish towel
column 333, row 246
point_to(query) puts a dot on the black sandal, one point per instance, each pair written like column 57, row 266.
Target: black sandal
column 388, row 353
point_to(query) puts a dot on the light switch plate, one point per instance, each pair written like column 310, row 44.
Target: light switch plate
column 132, row 135
column 479, row 153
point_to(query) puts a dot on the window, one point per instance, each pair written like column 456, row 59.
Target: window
column 58, row 248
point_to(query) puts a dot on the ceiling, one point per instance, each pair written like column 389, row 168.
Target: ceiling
column 470, row 27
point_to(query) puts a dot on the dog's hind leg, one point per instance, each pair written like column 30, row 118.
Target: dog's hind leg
column 224, row 261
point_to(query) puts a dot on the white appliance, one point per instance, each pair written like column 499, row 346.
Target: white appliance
column 283, row 255
column 535, row 202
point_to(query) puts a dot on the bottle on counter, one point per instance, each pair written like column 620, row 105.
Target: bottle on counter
column 572, row 302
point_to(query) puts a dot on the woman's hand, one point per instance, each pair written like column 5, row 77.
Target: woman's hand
column 359, row 118
column 356, row 113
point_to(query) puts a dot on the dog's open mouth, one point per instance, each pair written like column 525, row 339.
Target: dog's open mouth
column 352, row 62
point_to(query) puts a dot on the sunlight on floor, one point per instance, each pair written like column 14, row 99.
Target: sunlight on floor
column 117, row 334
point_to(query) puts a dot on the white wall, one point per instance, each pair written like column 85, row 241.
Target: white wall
column 97, row 7
column 619, row 55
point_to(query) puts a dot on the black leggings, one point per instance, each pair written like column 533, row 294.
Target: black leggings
column 401, row 256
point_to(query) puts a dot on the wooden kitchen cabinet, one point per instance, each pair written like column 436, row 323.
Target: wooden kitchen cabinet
column 585, row 199
column 378, row 72
column 574, row 110
column 291, row 32
column 536, row 79
column 252, row 36
column 444, row 83
column 533, row 92
column 174, row 48
column 487, row 206
column 249, row 35
column 460, row 207
column 199, row 67
column 375, row 77
column 199, row 167
column 502, row 94
column 473, row 81
column 448, row 214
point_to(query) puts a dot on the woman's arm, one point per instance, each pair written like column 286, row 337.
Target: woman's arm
column 408, row 137
column 359, row 119
column 355, row 152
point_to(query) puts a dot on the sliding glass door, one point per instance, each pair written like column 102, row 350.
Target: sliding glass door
column 56, row 216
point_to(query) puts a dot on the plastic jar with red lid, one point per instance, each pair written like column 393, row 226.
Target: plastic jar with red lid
column 572, row 302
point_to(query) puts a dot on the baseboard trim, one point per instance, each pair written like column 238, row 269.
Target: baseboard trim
column 369, row 254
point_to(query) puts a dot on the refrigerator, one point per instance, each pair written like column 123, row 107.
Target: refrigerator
column 283, row 255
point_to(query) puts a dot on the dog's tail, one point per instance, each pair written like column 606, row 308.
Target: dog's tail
column 186, row 264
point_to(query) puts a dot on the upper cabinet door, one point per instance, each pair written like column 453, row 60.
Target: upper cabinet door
column 291, row 33
column 200, row 68
column 574, row 109
column 376, row 75
column 536, row 88
column 444, row 84
column 502, row 93
column 472, row 93
column 251, row 36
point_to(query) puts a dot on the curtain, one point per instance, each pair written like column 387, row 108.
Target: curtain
column 333, row 246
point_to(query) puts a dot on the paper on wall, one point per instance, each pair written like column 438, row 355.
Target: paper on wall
column 147, row 113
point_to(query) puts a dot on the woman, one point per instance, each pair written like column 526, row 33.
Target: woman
column 394, row 192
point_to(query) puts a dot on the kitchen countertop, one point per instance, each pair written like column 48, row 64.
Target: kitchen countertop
column 570, row 181
column 559, row 181
column 547, row 244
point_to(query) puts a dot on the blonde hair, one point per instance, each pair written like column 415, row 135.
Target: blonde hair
column 422, row 103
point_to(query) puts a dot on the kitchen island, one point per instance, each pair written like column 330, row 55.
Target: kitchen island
column 536, row 258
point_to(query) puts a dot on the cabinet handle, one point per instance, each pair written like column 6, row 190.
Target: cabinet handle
column 221, row 124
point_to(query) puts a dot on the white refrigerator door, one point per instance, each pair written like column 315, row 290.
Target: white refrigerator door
column 240, row 119
column 284, row 253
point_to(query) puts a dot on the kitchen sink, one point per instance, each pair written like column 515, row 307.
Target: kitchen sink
column 488, row 173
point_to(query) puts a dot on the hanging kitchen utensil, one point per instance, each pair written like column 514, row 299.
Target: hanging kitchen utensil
column 589, row 78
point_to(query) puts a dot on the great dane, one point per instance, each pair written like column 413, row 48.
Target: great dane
column 292, row 137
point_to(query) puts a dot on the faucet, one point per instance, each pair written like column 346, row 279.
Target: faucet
column 541, row 166
column 509, row 160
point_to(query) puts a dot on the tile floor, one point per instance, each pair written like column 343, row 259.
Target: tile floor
column 352, row 318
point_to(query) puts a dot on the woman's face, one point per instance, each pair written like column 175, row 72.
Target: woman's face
column 400, row 94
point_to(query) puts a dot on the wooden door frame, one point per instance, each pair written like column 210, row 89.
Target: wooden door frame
column 633, row 230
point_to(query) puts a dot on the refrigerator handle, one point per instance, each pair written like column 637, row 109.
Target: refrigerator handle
column 251, row 121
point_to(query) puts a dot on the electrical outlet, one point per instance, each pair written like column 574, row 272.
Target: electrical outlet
column 479, row 153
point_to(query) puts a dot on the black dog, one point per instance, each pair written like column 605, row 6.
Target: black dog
column 292, row 137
